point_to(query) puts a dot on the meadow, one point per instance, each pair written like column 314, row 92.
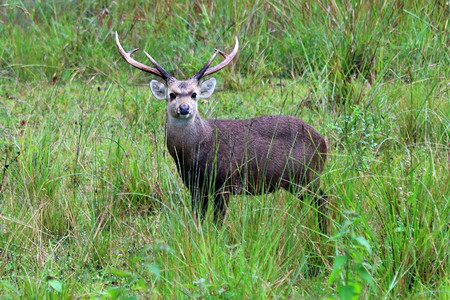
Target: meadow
column 91, row 205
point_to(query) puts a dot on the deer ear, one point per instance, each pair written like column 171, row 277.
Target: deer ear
column 207, row 88
column 158, row 89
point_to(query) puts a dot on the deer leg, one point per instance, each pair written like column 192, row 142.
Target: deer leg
column 220, row 206
column 320, row 202
column 199, row 206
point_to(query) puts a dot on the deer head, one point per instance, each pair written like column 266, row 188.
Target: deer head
column 181, row 96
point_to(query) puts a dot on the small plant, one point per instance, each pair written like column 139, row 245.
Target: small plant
column 55, row 286
column 352, row 268
column 358, row 130
column 140, row 280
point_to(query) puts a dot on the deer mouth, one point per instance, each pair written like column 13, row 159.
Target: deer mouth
column 184, row 111
column 181, row 116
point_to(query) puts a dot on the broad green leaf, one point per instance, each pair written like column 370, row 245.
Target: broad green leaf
column 154, row 269
column 345, row 292
column 364, row 243
column 120, row 273
column 140, row 285
column 55, row 284
column 113, row 292
column 366, row 276
column 339, row 261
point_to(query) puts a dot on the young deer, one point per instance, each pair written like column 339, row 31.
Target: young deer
column 219, row 158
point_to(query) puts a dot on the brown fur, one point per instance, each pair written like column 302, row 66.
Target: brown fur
column 219, row 158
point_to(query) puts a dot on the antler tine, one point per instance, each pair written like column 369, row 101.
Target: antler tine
column 205, row 70
column 206, row 66
column 159, row 71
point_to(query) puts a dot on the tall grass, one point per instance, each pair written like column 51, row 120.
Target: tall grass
column 91, row 205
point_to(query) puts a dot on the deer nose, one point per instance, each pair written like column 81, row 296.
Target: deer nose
column 184, row 109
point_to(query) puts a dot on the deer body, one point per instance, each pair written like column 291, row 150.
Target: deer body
column 246, row 156
column 218, row 158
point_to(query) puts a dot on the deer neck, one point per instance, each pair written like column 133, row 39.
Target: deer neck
column 185, row 136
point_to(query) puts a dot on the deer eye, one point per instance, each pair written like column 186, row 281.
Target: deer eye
column 172, row 96
column 194, row 95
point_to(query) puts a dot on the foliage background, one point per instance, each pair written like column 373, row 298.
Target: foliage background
column 90, row 202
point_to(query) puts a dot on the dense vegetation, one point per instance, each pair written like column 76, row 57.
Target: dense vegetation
column 90, row 201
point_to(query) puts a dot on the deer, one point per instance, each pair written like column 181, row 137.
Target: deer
column 217, row 158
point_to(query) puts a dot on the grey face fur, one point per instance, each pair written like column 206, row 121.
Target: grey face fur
column 182, row 96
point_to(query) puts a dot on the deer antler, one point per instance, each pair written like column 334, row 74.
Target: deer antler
column 159, row 71
column 206, row 70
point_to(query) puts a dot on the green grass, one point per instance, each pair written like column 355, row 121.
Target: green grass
column 91, row 205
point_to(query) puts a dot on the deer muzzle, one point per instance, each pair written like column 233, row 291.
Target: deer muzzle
column 183, row 111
